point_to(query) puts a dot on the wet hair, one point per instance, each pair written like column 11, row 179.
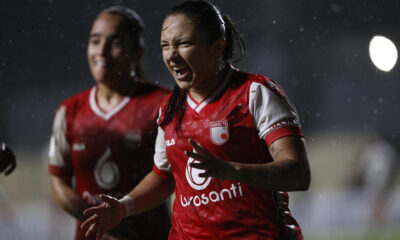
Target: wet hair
column 135, row 26
column 208, row 19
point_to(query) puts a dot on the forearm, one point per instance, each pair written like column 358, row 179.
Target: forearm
column 68, row 199
column 289, row 170
column 285, row 175
column 149, row 193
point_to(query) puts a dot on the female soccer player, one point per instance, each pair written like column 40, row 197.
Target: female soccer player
column 229, row 142
column 105, row 136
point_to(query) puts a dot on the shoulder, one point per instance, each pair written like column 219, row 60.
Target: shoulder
column 73, row 103
column 248, row 81
column 256, row 81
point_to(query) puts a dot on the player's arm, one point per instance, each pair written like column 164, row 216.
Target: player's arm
column 65, row 197
column 288, row 172
column 60, row 168
column 149, row 193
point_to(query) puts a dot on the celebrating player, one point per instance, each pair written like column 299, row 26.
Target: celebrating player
column 104, row 136
column 229, row 141
column 7, row 159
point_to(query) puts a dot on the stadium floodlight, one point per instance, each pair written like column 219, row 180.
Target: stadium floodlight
column 383, row 53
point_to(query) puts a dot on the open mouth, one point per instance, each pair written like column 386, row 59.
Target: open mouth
column 180, row 72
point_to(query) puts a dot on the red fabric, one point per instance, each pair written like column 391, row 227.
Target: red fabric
column 209, row 208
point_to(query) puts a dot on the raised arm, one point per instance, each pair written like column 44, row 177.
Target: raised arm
column 288, row 172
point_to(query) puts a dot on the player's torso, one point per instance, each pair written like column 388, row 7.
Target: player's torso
column 225, row 128
column 111, row 152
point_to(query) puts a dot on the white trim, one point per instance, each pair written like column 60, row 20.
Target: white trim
column 191, row 103
column 198, row 107
column 97, row 110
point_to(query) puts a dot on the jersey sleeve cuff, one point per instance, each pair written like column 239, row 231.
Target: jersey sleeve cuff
column 165, row 175
column 282, row 132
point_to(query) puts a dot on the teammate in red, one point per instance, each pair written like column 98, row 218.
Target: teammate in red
column 104, row 136
column 7, row 159
column 229, row 142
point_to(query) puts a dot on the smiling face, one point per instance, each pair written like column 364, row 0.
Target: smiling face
column 110, row 50
column 188, row 55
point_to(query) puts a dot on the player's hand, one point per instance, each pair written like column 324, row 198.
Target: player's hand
column 212, row 165
column 7, row 159
column 103, row 217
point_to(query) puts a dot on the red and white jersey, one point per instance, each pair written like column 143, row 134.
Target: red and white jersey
column 109, row 152
column 236, row 123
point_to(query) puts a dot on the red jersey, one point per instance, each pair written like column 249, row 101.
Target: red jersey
column 236, row 123
column 110, row 152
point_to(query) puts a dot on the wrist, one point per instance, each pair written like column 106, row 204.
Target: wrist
column 129, row 205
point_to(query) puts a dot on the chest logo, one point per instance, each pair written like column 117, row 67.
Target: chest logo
column 219, row 132
column 193, row 178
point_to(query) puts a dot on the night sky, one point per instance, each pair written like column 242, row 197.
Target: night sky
column 316, row 50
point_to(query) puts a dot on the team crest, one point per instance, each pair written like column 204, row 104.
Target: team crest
column 219, row 132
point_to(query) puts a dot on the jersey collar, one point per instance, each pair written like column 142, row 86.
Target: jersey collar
column 105, row 115
column 197, row 107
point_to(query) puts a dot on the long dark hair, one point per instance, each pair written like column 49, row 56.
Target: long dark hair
column 135, row 25
column 208, row 19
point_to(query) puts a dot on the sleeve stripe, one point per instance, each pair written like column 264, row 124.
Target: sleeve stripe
column 282, row 132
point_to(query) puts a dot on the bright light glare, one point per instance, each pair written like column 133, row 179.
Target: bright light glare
column 383, row 53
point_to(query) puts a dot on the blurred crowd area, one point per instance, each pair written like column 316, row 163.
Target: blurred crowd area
column 342, row 203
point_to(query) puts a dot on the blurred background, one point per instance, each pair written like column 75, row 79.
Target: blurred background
column 320, row 52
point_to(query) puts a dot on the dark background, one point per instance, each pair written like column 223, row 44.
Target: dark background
column 316, row 50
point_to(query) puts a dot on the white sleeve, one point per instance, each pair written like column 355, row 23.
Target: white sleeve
column 59, row 149
column 160, row 155
column 269, row 110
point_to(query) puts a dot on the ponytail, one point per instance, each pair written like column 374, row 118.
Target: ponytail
column 234, row 40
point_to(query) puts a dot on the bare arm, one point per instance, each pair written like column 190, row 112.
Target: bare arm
column 67, row 198
column 149, row 193
column 288, row 172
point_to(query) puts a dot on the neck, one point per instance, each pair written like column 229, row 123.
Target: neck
column 108, row 96
column 208, row 86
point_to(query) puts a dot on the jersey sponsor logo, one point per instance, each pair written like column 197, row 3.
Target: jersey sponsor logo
column 170, row 142
column 219, row 132
column 78, row 147
column 200, row 183
column 193, row 178
column 227, row 193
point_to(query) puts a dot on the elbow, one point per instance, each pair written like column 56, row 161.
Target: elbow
column 304, row 180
